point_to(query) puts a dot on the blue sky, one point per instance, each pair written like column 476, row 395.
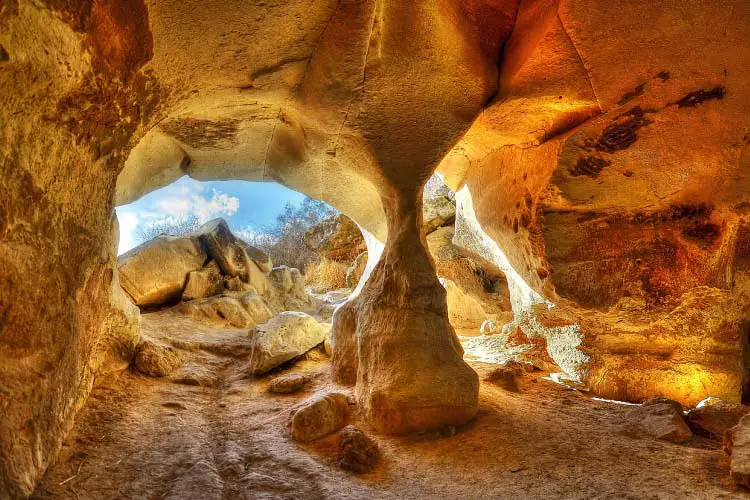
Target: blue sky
column 245, row 205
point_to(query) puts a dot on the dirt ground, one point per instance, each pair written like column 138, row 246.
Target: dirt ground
column 210, row 432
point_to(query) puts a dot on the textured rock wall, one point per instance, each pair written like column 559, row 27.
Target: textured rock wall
column 353, row 102
column 605, row 174
column 72, row 101
column 619, row 193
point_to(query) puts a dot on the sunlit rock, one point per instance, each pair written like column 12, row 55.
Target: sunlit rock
column 233, row 255
column 319, row 416
column 713, row 417
column 203, row 283
column 283, row 338
column 336, row 238
column 438, row 208
column 245, row 310
column 464, row 311
column 155, row 272
column 156, row 359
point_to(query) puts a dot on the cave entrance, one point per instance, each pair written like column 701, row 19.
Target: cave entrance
column 163, row 260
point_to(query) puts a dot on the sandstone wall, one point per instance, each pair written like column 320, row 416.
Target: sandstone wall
column 72, row 104
column 610, row 172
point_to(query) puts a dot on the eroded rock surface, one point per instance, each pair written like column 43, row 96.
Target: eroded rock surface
column 714, row 417
column 283, row 338
column 155, row 272
column 204, row 283
column 286, row 384
column 659, row 418
column 357, row 452
column 737, row 444
column 157, row 359
column 439, row 207
column 611, row 186
column 319, row 416
column 336, row 238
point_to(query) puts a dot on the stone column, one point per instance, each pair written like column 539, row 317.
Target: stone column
column 394, row 340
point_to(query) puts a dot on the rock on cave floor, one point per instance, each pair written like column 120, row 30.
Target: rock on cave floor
column 209, row 432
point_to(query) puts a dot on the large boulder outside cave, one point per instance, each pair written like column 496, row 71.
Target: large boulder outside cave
column 204, row 282
column 283, row 338
column 231, row 253
column 155, row 272
column 439, row 207
column 289, row 283
column 336, row 238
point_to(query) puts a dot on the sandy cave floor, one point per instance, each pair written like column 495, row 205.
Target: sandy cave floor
column 209, row 432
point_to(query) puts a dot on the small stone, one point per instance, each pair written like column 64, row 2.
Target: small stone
column 715, row 416
column 504, row 377
column 155, row 359
column 286, row 384
column 357, row 452
column 659, row 418
column 319, row 416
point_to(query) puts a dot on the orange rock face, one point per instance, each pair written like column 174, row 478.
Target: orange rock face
column 618, row 195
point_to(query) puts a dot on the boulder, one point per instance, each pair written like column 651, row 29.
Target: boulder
column 659, row 418
column 241, row 311
column 356, row 270
column 713, row 417
column 155, row 359
column 504, row 377
column 237, row 285
column 737, row 444
column 289, row 282
column 319, row 416
column 336, row 238
column 357, row 452
column 155, row 272
column 282, row 338
column 286, row 384
column 204, row 283
column 439, row 207
column 231, row 253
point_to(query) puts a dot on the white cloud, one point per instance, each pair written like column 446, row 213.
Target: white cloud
column 128, row 221
column 174, row 203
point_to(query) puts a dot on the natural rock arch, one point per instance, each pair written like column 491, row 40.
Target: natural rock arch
column 356, row 103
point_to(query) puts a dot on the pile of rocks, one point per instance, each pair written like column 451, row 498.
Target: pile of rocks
column 211, row 274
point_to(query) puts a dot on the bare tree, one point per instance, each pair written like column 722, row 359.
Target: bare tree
column 284, row 240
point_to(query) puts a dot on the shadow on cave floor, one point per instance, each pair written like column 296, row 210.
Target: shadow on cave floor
column 208, row 432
